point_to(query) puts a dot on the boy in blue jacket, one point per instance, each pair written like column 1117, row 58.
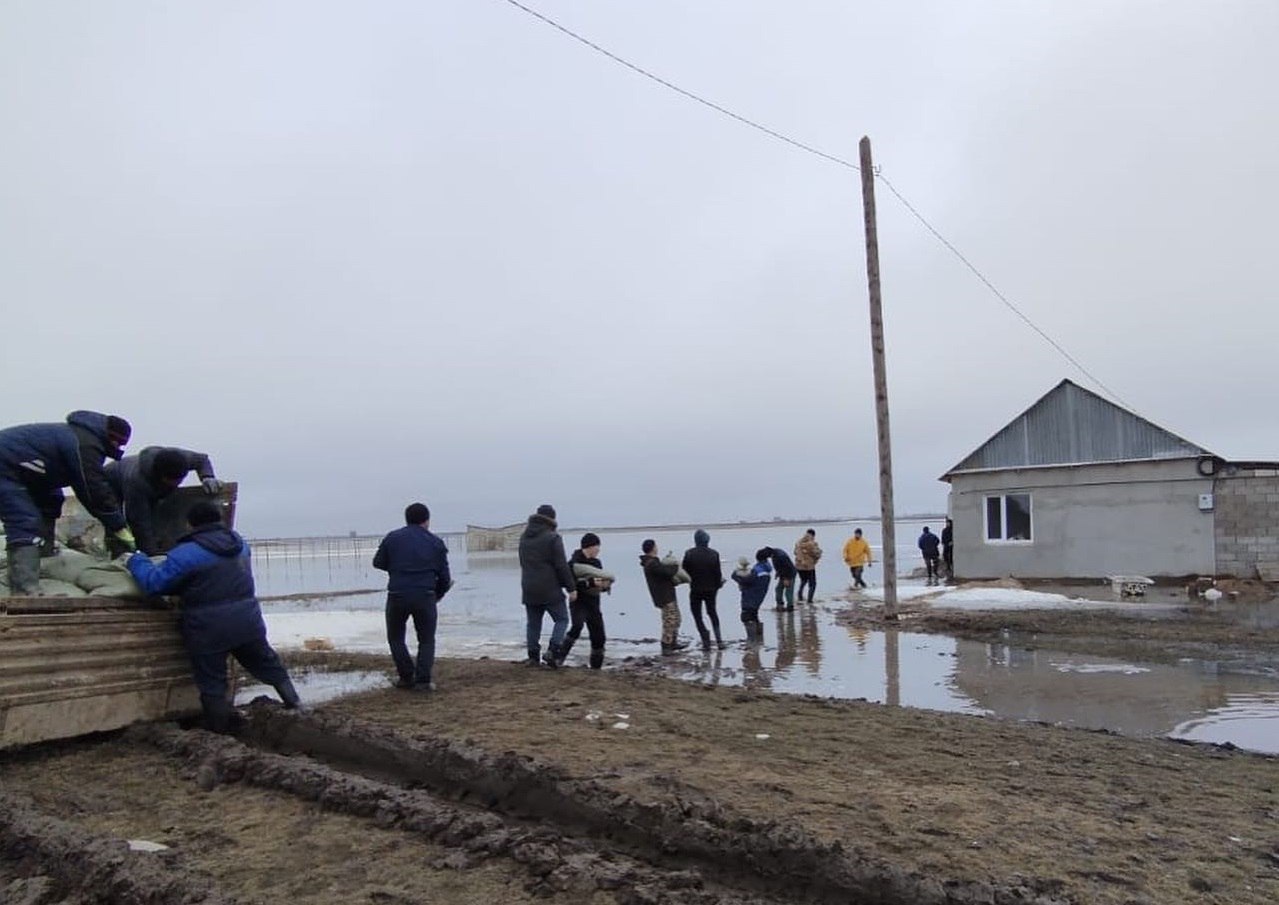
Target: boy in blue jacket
column 209, row 570
column 753, row 580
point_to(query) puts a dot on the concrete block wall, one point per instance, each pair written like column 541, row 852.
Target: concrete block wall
column 1246, row 531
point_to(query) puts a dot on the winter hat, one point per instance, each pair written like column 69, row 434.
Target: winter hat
column 547, row 510
column 118, row 430
column 649, row 545
column 743, row 562
column 590, row 539
column 701, row 538
column 170, row 463
column 203, row 513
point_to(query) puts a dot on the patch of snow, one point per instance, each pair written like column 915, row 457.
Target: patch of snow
column 142, row 845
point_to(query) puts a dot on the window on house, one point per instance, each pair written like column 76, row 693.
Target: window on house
column 1008, row 518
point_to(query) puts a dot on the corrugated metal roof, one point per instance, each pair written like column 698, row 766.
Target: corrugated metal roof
column 1073, row 426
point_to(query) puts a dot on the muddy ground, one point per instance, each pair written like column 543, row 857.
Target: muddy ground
column 518, row 784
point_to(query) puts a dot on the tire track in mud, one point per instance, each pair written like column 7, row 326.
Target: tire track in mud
column 674, row 846
column 61, row 862
column 556, row 863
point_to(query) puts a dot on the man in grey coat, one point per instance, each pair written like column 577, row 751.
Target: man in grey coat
column 544, row 577
column 142, row 481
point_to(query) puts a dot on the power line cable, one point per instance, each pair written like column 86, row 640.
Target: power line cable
column 833, row 159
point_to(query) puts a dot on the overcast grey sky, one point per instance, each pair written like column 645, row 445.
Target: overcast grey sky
column 369, row 253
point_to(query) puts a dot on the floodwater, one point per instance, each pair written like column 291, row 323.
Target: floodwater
column 805, row 652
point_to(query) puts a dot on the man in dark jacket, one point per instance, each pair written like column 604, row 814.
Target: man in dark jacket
column 706, row 577
column 544, row 577
column 784, row 566
column 928, row 545
column 660, row 577
column 209, row 569
column 417, row 565
column 585, row 610
column 948, row 548
column 36, row 462
column 142, row 481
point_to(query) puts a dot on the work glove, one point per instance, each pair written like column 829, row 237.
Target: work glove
column 126, row 539
column 212, row 486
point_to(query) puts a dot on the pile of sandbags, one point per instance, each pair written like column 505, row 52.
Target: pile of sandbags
column 71, row 573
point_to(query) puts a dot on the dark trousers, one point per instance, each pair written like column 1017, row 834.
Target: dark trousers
column 695, row 601
column 948, row 557
column 930, row 562
column 857, row 575
column 586, row 613
column 421, row 608
column 807, row 577
column 258, row 658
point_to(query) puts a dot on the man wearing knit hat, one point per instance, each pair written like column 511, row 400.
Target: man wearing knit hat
column 36, row 462
column 544, row 577
column 585, row 610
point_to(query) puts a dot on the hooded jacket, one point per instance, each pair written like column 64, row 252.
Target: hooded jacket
column 544, row 571
column 134, row 482
column 754, row 584
column 660, row 577
column 928, row 544
column 209, row 569
column 41, row 459
column 807, row 552
column 701, row 562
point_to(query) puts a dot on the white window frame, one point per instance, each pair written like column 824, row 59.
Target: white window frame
column 1003, row 498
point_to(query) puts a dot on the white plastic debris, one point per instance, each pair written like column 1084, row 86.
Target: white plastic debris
column 622, row 716
column 593, row 715
column 761, row 736
column 142, row 845
column 620, row 724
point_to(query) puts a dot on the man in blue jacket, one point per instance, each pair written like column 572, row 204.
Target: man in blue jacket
column 417, row 566
column 36, row 462
column 142, row 481
column 209, row 570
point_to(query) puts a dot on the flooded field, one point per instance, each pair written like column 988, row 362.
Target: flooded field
column 807, row 651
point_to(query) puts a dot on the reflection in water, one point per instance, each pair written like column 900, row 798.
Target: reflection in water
column 805, row 650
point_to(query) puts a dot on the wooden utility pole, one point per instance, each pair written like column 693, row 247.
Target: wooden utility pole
column 887, row 524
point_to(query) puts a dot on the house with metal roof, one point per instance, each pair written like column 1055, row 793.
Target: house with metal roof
column 1079, row 487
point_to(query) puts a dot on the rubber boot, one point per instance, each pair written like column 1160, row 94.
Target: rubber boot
column 706, row 639
column 552, row 657
column 24, row 570
column 288, row 694
column 219, row 715
column 759, row 632
column 597, row 658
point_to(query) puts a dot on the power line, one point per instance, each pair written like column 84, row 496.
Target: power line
column 759, row 127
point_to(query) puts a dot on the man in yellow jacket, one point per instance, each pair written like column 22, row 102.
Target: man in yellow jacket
column 857, row 556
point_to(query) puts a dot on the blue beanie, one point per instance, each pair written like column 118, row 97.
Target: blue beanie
column 701, row 538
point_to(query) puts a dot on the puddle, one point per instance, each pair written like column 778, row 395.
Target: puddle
column 318, row 687
column 806, row 651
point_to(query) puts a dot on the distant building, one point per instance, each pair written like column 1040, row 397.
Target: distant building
column 1078, row 487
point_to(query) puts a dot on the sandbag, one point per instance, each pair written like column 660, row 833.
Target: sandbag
column 109, row 579
column 586, row 570
column 681, row 577
column 66, row 565
column 50, row 587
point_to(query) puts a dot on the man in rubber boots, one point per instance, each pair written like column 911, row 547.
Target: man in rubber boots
column 36, row 462
column 142, row 481
column 209, row 569
column 660, row 576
